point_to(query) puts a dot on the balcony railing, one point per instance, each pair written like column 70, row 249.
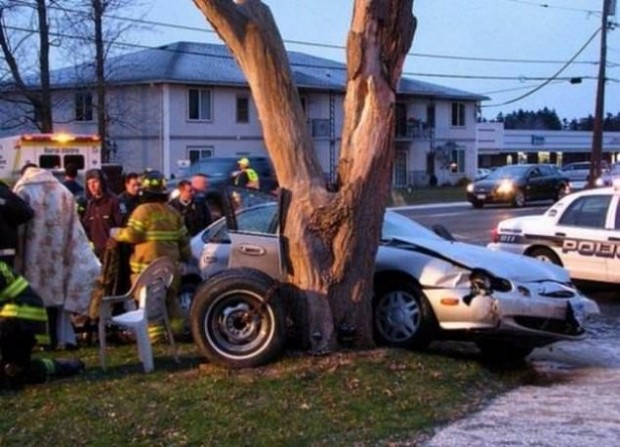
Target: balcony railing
column 412, row 130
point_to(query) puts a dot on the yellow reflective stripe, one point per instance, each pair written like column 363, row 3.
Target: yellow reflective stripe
column 137, row 267
column 50, row 367
column 24, row 312
column 136, row 225
column 15, row 288
column 252, row 175
column 43, row 339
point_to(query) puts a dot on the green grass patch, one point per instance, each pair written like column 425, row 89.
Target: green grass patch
column 437, row 194
column 350, row 398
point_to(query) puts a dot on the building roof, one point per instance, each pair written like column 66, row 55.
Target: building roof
column 213, row 64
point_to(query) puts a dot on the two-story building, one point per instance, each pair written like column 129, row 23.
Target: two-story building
column 184, row 101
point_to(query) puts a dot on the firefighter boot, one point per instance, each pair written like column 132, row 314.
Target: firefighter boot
column 68, row 367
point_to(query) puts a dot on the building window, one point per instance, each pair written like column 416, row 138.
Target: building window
column 199, row 101
column 83, row 106
column 458, row 114
column 243, row 109
column 457, row 165
column 198, row 153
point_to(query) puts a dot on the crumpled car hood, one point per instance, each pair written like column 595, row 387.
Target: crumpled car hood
column 505, row 265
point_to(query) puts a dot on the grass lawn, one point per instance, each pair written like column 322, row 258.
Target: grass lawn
column 372, row 397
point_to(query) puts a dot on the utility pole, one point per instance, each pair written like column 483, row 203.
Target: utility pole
column 599, row 110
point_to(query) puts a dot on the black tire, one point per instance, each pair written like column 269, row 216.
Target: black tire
column 238, row 320
column 544, row 254
column 518, row 201
column 402, row 316
column 502, row 351
column 561, row 192
column 187, row 292
column 477, row 204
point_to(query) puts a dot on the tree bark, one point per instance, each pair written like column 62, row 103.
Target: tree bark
column 331, row 236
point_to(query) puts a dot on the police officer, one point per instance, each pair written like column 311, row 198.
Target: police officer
column 246, row 176
column 156, row 229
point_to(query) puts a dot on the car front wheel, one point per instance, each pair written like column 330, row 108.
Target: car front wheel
column 402, row 316
column 237, row 319
column 518, row 200
column 563, row 190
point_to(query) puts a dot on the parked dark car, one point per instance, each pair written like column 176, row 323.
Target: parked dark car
column 518, row 184
column 219, row 171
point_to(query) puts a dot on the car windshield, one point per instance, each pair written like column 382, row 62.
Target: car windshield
column 510, row 171
column 261, row 218
column 396, row 225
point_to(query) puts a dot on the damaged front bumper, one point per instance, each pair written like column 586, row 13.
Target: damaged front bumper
column 548, row 312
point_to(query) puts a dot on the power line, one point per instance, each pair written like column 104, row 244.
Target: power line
column 318, row 44
column 552, row 78
column 326, row 67
column 548, row 6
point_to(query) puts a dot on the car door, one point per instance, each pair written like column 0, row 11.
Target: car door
column 583, row 234
column 254, row 236
column 535, row 184
column 613, row 262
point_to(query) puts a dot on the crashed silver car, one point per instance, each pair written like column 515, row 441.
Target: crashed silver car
column 425, row 288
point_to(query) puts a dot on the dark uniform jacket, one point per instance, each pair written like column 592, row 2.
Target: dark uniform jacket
column 100, row 217
column 196, row 214
column 14, row 211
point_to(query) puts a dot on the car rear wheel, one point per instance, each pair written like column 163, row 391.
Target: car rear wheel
column 545, row 255
column 502, row 351
column 402, row 316
column 518, row 201
column 238, row 320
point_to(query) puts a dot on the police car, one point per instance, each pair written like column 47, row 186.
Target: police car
column 581, row 232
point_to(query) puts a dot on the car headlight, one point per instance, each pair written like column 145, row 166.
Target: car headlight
column 470, row 187
column 506, row 187
column 482, row 282
column 599, row 182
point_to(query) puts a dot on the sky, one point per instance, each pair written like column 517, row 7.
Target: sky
column 535, row 45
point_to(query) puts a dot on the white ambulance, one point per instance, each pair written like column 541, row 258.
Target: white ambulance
column 49, row 151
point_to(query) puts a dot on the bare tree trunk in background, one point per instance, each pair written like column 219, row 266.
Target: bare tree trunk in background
column 41, row 100
column 332, row 237
column 102, row 117
column 46, row 118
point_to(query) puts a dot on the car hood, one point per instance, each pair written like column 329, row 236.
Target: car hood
column 504, row 265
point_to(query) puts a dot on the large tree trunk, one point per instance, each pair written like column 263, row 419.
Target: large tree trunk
column 332, row 236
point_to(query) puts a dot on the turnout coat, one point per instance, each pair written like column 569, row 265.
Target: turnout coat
column 55, row 255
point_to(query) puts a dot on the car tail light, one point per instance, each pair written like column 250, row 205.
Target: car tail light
column 494, row 235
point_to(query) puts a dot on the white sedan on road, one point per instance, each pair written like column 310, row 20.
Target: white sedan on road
column 581, row 232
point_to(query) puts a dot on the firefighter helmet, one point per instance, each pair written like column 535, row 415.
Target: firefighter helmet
column 153, row 182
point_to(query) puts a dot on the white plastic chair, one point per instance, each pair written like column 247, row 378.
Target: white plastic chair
column 150, row 288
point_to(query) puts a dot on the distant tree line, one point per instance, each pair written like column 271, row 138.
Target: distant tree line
column 546, row 119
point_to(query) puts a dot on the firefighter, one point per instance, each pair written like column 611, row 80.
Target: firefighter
column 246, row 176
column 14, row 211
column 156, row 229
column 23, row 324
